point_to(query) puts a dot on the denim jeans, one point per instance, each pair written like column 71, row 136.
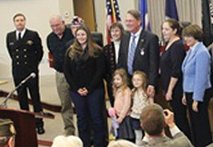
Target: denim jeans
column 90, row 117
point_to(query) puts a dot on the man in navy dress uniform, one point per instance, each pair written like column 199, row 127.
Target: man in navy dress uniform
column 26, row 51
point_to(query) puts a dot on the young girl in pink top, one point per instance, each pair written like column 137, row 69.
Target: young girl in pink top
column 140, row 100
column 122, row 94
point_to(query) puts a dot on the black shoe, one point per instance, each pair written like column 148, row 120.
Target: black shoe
column 40, row 130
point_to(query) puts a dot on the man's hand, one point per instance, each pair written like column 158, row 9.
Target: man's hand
column 169, row 118
column 150, row 91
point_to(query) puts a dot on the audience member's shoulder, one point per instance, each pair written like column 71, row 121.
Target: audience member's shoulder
column 121, row 143
column 180, row 140
column 143, row 144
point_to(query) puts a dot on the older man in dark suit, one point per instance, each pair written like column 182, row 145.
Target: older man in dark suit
column 139, row 50
column 25, row 49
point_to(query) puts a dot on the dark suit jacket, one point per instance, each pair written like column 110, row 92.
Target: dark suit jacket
column 25, row 54
column 146, row 55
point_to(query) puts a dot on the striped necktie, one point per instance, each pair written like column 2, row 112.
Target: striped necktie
column 131, row 55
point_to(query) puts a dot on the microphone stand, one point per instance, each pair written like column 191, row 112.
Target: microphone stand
column 4, row 104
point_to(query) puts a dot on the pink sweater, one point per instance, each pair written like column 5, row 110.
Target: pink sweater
column 122, row 102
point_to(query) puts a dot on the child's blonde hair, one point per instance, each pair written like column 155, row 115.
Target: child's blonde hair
column 122, row 73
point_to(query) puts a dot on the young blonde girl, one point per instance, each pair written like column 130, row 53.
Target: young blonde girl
column 140, row 100
column 121, row 109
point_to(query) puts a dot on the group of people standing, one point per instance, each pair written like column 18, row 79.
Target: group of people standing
column 130, row 64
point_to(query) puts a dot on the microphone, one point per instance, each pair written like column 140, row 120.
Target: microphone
column 4, row 104
column 32, row 75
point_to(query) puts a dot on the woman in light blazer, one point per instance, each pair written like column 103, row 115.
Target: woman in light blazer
column 196, row 85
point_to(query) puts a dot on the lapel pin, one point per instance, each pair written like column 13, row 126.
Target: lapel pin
column 29, row 42
column 142, row 51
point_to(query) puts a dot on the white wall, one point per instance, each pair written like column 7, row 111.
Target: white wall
column 37, row 13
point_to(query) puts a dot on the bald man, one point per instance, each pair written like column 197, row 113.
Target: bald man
column 56, row 42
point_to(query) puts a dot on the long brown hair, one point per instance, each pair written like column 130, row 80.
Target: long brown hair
column 75, row 49
column 122, row 73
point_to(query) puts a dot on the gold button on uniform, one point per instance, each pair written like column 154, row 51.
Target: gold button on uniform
column 17, row 57
column 25, row 56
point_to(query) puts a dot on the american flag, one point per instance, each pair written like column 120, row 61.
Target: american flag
column 112, row 15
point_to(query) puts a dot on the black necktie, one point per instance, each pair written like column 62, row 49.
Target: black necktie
column 19, row 36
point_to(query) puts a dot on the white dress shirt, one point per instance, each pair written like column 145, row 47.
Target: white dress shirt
column 22, row 33
column 117, row 47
